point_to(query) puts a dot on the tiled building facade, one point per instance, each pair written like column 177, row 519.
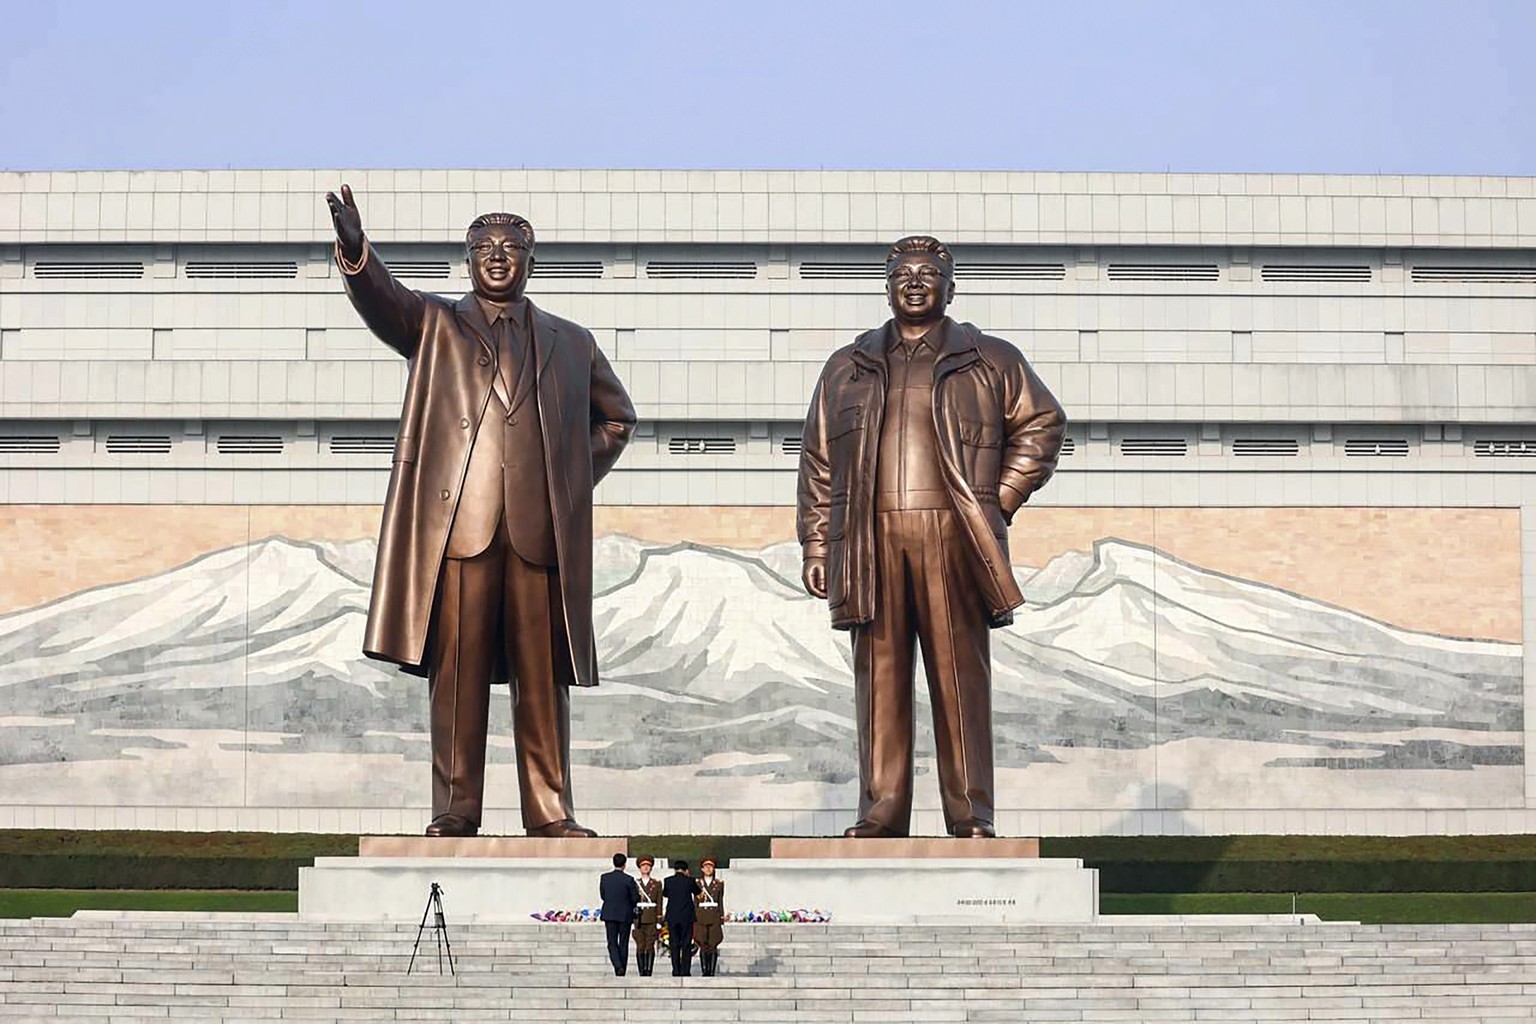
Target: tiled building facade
column 1302, row 439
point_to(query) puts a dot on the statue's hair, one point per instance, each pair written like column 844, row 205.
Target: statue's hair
column 511, row 220
column 919, row 243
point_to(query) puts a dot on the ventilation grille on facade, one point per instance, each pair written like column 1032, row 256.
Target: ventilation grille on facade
column 38, row 444
column 1477, row 275
column 138, row 444
column 701, row 446
column 435, row 269
column 837, row 271
column 362, row 444
column 699, row 269
column 1068, row 447
column 250, row 270
column 1158, row 446
column 791, row 446
column 1010, row 272
column 1504, row 449
column 1288, row 272
column 1163, row 272
column 250, row 444
column 60, row 270
column 587, row 269
column 1386, row 447
column 1265, row 447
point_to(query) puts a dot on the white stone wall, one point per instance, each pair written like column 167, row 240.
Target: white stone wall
column 1428, row 340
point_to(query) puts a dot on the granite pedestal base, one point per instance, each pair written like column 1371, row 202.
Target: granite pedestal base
column 854, row 884
column 476, row 890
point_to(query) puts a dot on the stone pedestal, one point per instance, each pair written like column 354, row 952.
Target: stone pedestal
column 859, row 881
column 932, row 890
column 913, row 848
column 475, row 889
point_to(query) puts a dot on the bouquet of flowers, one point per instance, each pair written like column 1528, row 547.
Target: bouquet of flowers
column 798, row 916
column 586, row 915
column 590, row 915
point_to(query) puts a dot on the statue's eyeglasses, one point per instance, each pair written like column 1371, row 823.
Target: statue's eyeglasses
column 508, row 246
column 927, row 275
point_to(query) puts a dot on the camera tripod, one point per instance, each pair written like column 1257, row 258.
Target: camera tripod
column 439, row 930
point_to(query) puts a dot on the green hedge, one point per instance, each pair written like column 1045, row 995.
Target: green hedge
column 1141, row 864
column 111, row 871
column 692, row 848
column 1320, row 864
column 54, row 859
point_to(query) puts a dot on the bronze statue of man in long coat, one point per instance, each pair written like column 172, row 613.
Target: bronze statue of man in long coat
column 511, row 417
column 923, row 438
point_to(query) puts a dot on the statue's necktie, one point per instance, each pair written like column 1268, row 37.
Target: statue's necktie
column 508, row 358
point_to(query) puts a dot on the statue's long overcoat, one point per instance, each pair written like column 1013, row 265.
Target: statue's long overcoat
column 587, row 419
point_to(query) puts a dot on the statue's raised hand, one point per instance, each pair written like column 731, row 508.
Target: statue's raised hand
column 348, row 222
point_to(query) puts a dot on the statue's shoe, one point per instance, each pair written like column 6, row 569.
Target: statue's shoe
column 973, row 828
column 565, row 829
column 867, row 829
column 452, row 825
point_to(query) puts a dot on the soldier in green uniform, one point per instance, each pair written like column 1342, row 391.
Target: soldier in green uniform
column 647, row 921
column 708, row 929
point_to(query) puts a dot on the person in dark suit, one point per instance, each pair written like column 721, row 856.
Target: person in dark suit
column 681, row 913
column 484, row 571
column 620, row 896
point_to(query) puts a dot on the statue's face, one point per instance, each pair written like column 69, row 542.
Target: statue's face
column 499, row 263
column 919, row 287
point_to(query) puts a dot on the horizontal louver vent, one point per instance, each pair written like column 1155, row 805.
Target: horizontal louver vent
column 245, row 271
column 701, row 446
column 1287, row 272
column 588, row 269
column 250, row 444
column 1010, row 272
column 1154, row 446
column 1502, row 449
column 61, row 270
column 1163, row 272
column 1477, row 275
column 838, row 271
column 138, row 444
column 696, row 269
column 38, row 444
column 1388, row 448
column 790, row 446
column 1068, row 447
column 435, row 269
column 1265, row 447
column 363, row 444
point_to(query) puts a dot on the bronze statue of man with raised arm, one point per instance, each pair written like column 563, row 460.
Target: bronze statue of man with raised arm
column 511, row 417
column 923, row 439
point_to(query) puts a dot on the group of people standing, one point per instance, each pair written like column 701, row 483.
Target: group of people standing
column 693, row 910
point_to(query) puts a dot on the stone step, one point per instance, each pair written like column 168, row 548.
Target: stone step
column 232, row 969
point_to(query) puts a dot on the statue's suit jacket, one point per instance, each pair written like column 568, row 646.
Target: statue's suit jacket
column 586, row 418
column 999, row 433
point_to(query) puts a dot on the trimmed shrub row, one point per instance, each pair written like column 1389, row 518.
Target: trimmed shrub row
column 116, row 871
column 1174, row 864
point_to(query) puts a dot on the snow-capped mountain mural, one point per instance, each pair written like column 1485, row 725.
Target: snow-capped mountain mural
column 720, row 671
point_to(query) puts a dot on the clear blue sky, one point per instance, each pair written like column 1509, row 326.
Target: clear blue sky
column 1447, row 86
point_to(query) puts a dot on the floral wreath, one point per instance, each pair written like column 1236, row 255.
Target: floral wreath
column 591, row 915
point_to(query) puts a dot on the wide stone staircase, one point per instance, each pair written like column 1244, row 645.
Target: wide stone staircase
column 226, row 968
